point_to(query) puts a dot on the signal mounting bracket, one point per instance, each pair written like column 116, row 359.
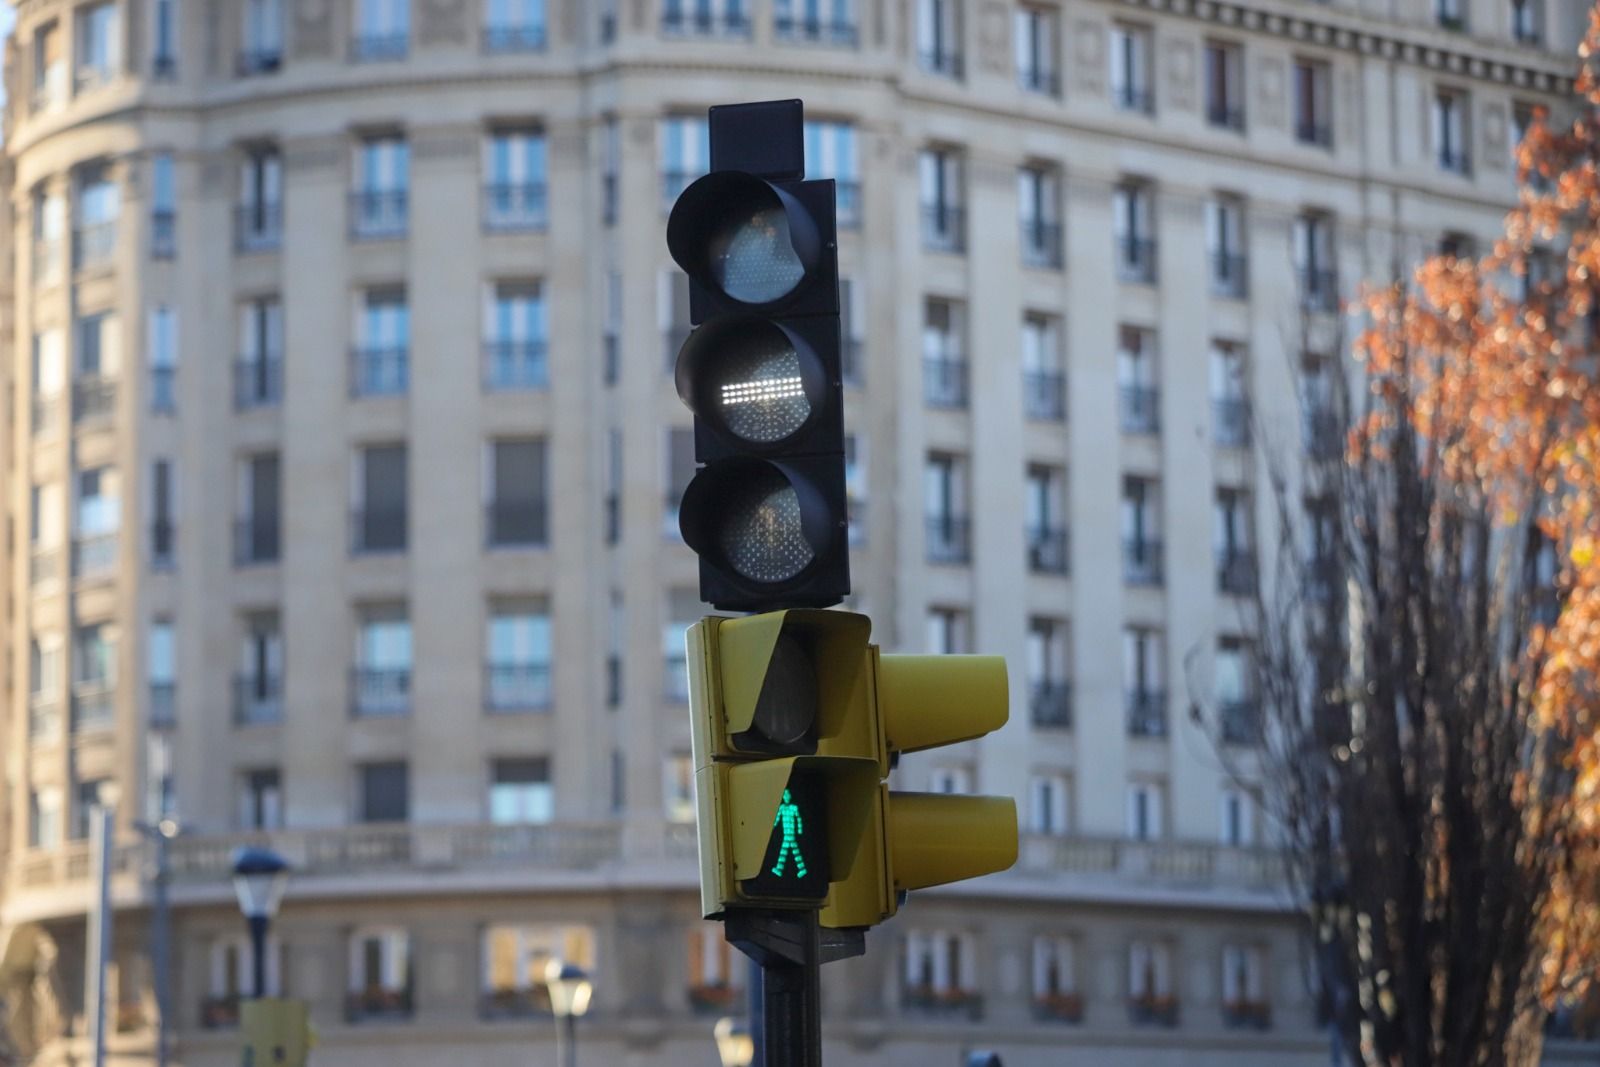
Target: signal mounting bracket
column 766, row 139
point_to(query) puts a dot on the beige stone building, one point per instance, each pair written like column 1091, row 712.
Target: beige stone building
column 340, row 454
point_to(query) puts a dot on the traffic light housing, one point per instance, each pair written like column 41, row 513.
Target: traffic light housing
column 797, row 721
column 762, row 370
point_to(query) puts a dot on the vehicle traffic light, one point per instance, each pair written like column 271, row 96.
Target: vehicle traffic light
column 798, row 721
column 766, row 510
column 275, row 1032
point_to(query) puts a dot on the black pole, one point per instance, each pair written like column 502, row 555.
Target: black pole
column 258, row 942
column 788, row 947
column 160, row 951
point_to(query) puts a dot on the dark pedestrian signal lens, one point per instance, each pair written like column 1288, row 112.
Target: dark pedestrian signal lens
column 786, row 711
column 761, row 537
column 751, row 256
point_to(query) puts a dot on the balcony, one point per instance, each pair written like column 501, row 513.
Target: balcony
column 44, row 565
column 377, row 530
column 1135, row 98
column 515, row 207
column 89, row 76
column 258, row 227
column 949, row 539
column 516, row 687
column 1040, row 80
column 1141, row 562
column 380, row 692
column 942, row 228
column 257, row 699
column 254, row 61
column 815, row 30
column 1239, row 722
column 1041, row 244
column 163, row 234
column 163, row 390
column 532, row 1002
column 1153, row 1010
column 93, row 705
column 1455, row 161
column 944, row 62
column 379, row 371
column 931, row 1003
column 511, row 39
column 1454, row 21
column 44, row 717
column 378, row 214
column 379, row 47
column 1223, row 115
column 1247, row 1015
column 847, row 202
column 1230, row 422
column 93, row 245
column 219, row 1012
column 1044, row 395
column 705, row 23
column 377, row 1005
column 1136, row 259
column 515, row 523
column 1050, row 704
column 255, row 540
column 515, row 365
column 257, row 381
column 163, row 705
column 1230, row 275
column 1319, row 134
column 94, row 397
column 46, row 261
column 163, row 545
column 944, row 382
column 1147, row 713
column 94, row 556
column 675, row 671
column 1236, row 571
column 1140, row 409
column 43, row 417
column 1047, row 550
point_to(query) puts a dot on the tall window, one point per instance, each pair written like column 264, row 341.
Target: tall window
column 944, row 481
column 1131, row 85
column 1141, row 531
column 259, row 494
column 1234, row 542
column 1055, row 978
column 163, row 525
column 1526, row 21
column 940, row 177
column 44, row 818
column 49, row 67
column 685, row 147
column 258, row 376
column 941, row 966
column 1244, row 996
column 383, row 343
column 258, row 687
column 519, row 657
column 831, row 153
column 1043, row 384
column 514, row 961
column 1138, row 380
column 261, row 37
column 163, row 357
column 98, row 515
column 99, row 44
column 1150, row 989
column 163, row 38
column 1236, row 823
column 1230, row 411
column 1452, row 131
column 680, row 466
column 514, row 168
column 948, row 632
column 683, row 608
column 163, row 206
column 944, row 362
column 1049, row 680
column 518, row 497
column 260, row 216
column 379, row 522
column 706, row 17
column 379, row 964
column 611, row 168
column 828, row 21
column 1045, row 526
column 1144, row 681
column 1313, row 103
column 1225, row 243
column 382, row 29
column 94, row 675
column 1047, row 804
column 514, row 25
column 99, row 204
column 382, row 173
column 260, row 800
column 1131, row 215
column 1236, row 707
column 1451, row 14
column 383, row 663
column 1147, row 802
column 677, row 787
column 1314, row 259
column 519, row 791
column 939, row 37
column 1039, row 214
column 514, row 336
column 161, row 672
column 1035, row 42
column 1224, row 76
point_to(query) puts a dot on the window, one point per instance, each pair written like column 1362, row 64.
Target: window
column 706, row 17
column 260, row 219
column 96, row 520
column 258, row 376
column 90, row 794
column 939, row 37
column 161, row 672
column 1055, row 979
column 1131, row 209
column 956, row 780
column 1527, row 21
column 855, row 486
column 1229, row 399
column 514, row 960
column 99, row 204
column 380, row 980
column 514, row 336
column 714, row 968
column 519, row 791
column 519, row 657
column 685, row 146
column 828, row 21
column 1150, row 990
column 1144, row 681
column 940, row 177
column 160, row 786
column 99, row 359
column 1226, row 246
column 684, row 610
column 384, row 792
column 229, row 960
column 1237, row 822
column 382, row 30
column 852, row 321
column 677, row 787
column 1234, row 544
column 1314, row 260
column 941, row 966
column 1049, row 687
column 611, row 168
column 379, row 522
column 1039, row 214
column 514, row 181
column 1452, row 131
column 49, row 232
column 49, row 68
column 44, row 686
column 514, row 26
column 1451, row 14
column 616, row 638
column 1146, row 810
column 608, row 21
column 1137, row 380
column 383, row 662
column 611, row 341
column 1130, row 69
column 1237, row 712
column 1034, row 42
column 261, row 37
column 259, row 487
column 1045, row 526
column 1244, row 998
column 680, row 470
column 1047, row 804
column 163, row 207
column 94, row 674
column 258, row 687
column 261, row 800
column 1043, row 384
column 44, row 818
column 1141, row 531
column 517, row 494
column 379, row 200
column 944, row 364
column 944, row 481
column 163, row 357
column 947, row 631
column 1224, row 76
column 99, row 45
column 382, row 363
column 1313, row 103
column 831, row 153
column 672, row 311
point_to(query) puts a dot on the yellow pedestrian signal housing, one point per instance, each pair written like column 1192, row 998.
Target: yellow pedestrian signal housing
column 797, row 721
column 275, row 1032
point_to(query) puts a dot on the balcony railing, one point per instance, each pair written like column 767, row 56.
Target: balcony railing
column 527, row 37
column 705, row 23
column 163, row 545
column 258, row 381
column 1038, row 79
column 1047, row 550
column 93, row 244
column 1153, row 1010
column 1456, row 161
column 944, row 62
column 44, row 717
column 1147, row 713
column 1236, row 571
column 377, row 1005
column 87, row 76
column 163, row 390
column 815, row 30
column 515, row 523
column 1225, row 115
column 675, row 671
column 1141, row 561
column 94, row 396
column 949, row 539
column 255, row 540
column 1141, row 409
column 1454, row 21
column 1314, row 133
column 944, row 382
column 1240, row 722
column 378, row 371
column 949, row 1003
column 532, row 1002
column 1050, row 704
column 1136, row 259
column 93, row 705
column 1044, row 395
column 1041, row 244
column 378, row 214
column 163, row 704
column 515, row 207
column 163, row 233
column 1133, row 98
column 1247, row 1015
column 257, row 699
column 261, row 60
column 380, row 692
column 1230, row 275
column 1230, row 422
column 378, row 529
column 511, row 365
column 379, row 47
column 94, row 556
column 219, row 1012
column 517, row 686
column 942, row 228
column 258, row 227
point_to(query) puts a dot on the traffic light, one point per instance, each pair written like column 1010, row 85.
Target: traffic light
column 761, row 371
column 275, row 1032
column 797, row 722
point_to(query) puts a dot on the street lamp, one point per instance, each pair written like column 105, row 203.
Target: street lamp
column 570, row 990
column 735, row 1045
column 259, row 878
column 161, row 834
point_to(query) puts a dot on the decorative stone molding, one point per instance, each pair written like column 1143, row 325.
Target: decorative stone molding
column 1496, row 146
column 1181, row 75
column 994, row 37
column 1088, row 54
column 1271, row 98
column 641, row 14
column 442, row 22
column 456, row 141
column 313, row 29
column 314, row 153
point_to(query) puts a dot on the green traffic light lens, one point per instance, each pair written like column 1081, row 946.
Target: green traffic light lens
column 751, row 257
column 762, row 398
column 761, row 537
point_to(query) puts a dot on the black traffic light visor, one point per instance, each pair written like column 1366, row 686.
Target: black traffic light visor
column 752, row 380
column 764, row 524
column 744, row 239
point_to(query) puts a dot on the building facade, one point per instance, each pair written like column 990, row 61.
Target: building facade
column 341, row 455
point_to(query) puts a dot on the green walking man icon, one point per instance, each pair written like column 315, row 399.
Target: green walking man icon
column 793, row 826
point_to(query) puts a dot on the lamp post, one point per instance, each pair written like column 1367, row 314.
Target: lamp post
column 160, row 834
column 259, row 878
column 570, row 990
column 735, row 1046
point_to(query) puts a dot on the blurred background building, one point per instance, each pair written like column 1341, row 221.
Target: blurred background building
column 341, row 453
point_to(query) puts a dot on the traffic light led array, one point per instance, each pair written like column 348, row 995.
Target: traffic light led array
column 797, row 722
